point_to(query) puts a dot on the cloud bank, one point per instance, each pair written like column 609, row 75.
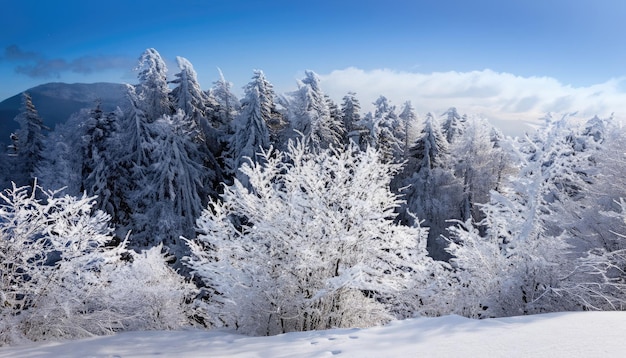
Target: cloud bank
column 36, row 65
column 498, row 96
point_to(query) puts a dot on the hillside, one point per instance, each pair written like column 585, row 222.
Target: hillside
column 57, row 101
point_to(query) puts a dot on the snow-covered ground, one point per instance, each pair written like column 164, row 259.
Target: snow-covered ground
column 581, row 334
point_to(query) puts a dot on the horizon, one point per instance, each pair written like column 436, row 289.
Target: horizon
column 504, row 61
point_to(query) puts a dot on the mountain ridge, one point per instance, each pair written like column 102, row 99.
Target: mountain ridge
column 57, row 101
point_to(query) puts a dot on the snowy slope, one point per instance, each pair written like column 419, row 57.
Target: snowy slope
column 581, row 334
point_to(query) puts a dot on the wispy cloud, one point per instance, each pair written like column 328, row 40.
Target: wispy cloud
column 500, row 96
column 13, row 53
column 36, row 65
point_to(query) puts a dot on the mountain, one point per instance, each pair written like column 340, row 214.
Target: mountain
column 56, row 102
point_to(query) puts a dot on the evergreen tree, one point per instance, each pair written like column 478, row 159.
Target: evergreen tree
column 408, row 127
column 252, row 132
column 28, row 143
column 387, row 130
column 351, row 117
column 337, row 120
column 198, row 108
column 226, row 107
column 431, row 149
column 189, row 97
column 99, row 162
column 432, row 192
column 453, row 125
column 309, row 114
column 133, row 163
column 167, row 191
column 153, row 90
column 5, row 168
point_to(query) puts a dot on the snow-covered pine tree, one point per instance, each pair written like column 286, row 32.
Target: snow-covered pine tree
column 198, row 108
column 309, row 114
column 431, row 190
column 409, row 128
column 153, row 90
column 275, row 118
column 336, row 119
column 252, row 133
column 89, row 154
column 133, row 161
column 5, row 168
column 189, row 97
column 388, row 132
column 27, row 144
column 453, row 126
column 166, row 199
column 350, row 112
column 315, row 244
column 99, row 164
column 226, row 107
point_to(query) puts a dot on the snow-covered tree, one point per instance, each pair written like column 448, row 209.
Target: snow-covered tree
column 60, row 280
column 594, row 216
column 524, row 237
column 227, row 106
column 199, row 112
column 596, row 221
column 133, row 160
column 388, row 132
column 89, row 154
column 336, row 118
column 100, row 167
column 454, row 124
column 252, row 133
column 5, row 168
column 350, row 112
column 311, row 245
column 166, row 199
column 189, row 97
column 430, row 189
column 153, row 90
column 408, row 125
column 480, row 164
column 28, row 143
column 309, row 114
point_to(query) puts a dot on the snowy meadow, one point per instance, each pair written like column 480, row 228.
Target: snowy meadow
column 582, row 334
column 198, row 214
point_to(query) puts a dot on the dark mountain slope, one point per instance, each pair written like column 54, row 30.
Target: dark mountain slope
column 56, row 102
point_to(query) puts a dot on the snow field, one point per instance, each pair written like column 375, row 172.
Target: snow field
column 580, row 334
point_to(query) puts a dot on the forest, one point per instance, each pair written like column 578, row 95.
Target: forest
column 274, row 213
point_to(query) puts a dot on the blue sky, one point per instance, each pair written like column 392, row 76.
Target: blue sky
column 578, row 44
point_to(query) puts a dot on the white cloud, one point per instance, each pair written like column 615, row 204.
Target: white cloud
column 498, row 96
